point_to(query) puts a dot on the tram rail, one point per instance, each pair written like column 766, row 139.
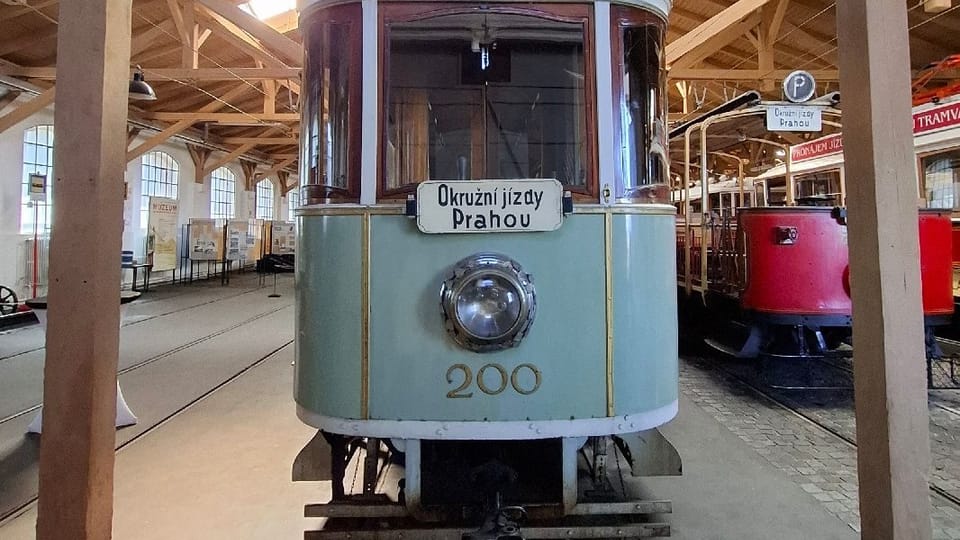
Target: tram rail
column 846, row 439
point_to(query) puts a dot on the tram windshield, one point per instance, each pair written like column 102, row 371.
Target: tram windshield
column 485, row 96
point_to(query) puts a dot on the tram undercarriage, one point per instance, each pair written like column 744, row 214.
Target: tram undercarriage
column 487, row 490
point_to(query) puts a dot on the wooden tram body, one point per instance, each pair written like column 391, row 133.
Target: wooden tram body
column 785, row 266
column 487, row 332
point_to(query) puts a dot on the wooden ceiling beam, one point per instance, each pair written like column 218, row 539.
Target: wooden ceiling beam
column 231, row 117
column 249, row 169
column 11, row 14
column 773, row 19
column 277, row 167
column 199, row 156
column 190, row 58
column 199, row 74
column 269, row 94
column 227, row 158
column 701, row 74
column 718, row 41
column 711, row 27
column 154, row 54
column 30, row 39
column 261, row 141
column 285, row 22
column 287, row 48
column 282, row 177
column 176, row 13
column 27, row 109
column 183, row 125
column 148, row 37
column 132, row 133
column 202, row 38
column 238, row 38
column 234, row 154
column 8, row 98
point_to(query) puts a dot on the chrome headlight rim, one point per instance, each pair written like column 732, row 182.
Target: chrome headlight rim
column 487, row 265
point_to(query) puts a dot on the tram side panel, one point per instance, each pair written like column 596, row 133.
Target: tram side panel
column 936, row 265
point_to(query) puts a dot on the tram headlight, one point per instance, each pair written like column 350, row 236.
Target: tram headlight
column 488, row 303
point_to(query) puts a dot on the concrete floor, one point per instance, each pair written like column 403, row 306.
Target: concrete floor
column 219, row 467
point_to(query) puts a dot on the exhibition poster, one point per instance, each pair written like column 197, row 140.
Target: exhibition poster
column 237, row 239
column 162, row 233
column 254, row 239
column 206, row 240
column 283, row 238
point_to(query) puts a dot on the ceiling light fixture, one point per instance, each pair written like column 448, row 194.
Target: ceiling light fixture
column 139, row 89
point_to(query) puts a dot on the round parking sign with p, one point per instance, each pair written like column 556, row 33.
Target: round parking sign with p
column 799, row 86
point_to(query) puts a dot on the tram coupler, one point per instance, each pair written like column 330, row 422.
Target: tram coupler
column 502, row 523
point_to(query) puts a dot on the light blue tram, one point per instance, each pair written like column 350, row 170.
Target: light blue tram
column 485, row 266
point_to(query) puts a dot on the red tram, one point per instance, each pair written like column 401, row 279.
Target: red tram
column 774, row 248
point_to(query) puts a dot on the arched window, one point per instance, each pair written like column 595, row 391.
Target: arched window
column 293, row 202
column 159, row 177
column 37, row 159
column 265, row 199
column 223, row 186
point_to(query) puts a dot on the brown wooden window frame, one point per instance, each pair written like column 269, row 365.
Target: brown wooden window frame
column 570, row 13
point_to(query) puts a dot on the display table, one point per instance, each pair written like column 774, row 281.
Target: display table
column 125, row 416
column 147, row 269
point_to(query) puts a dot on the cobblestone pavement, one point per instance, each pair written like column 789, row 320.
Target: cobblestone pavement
column 823, row 464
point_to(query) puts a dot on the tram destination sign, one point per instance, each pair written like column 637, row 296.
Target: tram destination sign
column 794, row 118
column 478, row 206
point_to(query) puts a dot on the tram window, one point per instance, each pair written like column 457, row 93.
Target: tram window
column 760, row 194
column 329, row 163
column 818, row 189
column 643, row 169
column 941, row 176
column 777, row 192
column 518, row 110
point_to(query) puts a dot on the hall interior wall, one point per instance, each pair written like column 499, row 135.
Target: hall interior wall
column 194, row 200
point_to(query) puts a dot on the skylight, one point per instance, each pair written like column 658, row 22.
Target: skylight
column 264, row 9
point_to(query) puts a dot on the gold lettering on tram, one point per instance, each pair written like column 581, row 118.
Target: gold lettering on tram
column 511, row 379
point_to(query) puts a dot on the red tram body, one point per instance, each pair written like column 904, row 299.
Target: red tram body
column 936, row 265
column 744, row 246
column 797, row 266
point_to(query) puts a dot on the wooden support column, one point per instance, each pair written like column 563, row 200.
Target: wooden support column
column 284, row 177
column 893, row 445
column 684, row 92
column 199, row 156
column 191, row 48
column 83, row 332
column 249, row 169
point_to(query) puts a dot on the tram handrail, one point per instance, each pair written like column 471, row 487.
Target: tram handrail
column 728, row 111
